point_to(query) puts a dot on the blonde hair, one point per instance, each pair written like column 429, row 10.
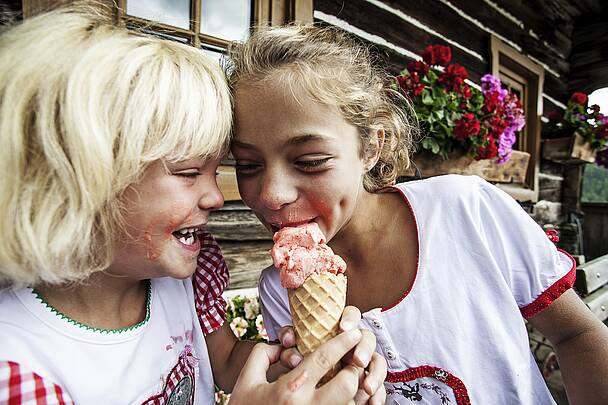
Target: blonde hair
column 85, row 107
column 334, row 69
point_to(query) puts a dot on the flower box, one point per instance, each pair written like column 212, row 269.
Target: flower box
column 572, row 150
column 513, row 171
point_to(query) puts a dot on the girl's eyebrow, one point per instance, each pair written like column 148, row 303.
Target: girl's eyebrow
column 296, row 140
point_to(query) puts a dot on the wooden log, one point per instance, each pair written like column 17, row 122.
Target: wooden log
column 245, row 261
column 513, row 171
column 236, row 222
column 571, row 150
column 404, row 34
column 592, row 275
column 490, row 17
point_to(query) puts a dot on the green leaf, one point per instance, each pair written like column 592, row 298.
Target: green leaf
column 426, row 98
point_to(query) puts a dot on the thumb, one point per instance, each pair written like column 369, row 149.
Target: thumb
column 256, row 366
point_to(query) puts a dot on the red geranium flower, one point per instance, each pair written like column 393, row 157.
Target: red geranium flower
column 437, row 55
column 466, row 127
column 489, row 151
column 453, row 78
column 579, row 98
column 419, row 67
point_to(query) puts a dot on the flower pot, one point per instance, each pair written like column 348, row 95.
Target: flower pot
column 570, row 150
column 513, row 171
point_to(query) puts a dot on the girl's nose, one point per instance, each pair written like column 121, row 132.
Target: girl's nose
column 277, row 190
column 211, row 196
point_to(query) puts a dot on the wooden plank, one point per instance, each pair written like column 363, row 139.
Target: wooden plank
column 592, row 275
column 245, row 261
column 302, row 11
column 236, row 225
column 555, row 30
column 570, row 150
column 513, row 171
column 226, row 181
column 395, row 30
column 490, row 17
column 598, row 302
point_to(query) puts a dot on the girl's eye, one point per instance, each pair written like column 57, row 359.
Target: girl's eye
column 246, row 168
column 188, row 173
column 312, row 165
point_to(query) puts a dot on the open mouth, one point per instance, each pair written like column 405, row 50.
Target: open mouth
column 187, row 236
column 276, row 226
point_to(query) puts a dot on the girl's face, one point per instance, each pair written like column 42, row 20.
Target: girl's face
column 297, row 160
column 163, row 213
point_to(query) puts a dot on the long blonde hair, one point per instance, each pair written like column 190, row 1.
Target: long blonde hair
column 85, row 107
column 334, row 69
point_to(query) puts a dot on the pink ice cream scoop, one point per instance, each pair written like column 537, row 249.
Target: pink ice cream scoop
column 301, row 251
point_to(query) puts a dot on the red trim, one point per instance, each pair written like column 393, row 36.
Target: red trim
column 460, row 391
column 552, row 293
column 405, row 294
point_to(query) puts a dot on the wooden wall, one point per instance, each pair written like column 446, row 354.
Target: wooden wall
column 595, row 229
column 540, row 29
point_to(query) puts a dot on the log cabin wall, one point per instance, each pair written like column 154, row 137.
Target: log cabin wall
column 542, row 30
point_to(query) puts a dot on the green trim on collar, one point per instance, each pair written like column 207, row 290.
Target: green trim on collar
column 99, row 330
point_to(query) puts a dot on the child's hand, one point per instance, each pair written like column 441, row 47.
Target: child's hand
column 299, row 385
column 371, row 366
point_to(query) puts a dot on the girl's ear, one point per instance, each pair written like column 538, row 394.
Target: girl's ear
column 374, row 148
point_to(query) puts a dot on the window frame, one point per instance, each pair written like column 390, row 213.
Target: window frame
column 513, row 67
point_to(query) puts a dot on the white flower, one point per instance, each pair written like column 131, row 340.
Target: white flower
column 231, row 307
column 252, row 308
column 259, row 324
column 239, row 326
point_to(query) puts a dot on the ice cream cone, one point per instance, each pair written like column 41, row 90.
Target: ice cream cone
column 316, row 307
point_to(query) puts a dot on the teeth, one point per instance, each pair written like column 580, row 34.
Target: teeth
column 184, row 231
column 187, row 240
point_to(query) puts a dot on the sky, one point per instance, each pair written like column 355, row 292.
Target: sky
column 600, row 97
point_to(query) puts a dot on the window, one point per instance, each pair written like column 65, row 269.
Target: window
column 206, row 24
column 524, row 78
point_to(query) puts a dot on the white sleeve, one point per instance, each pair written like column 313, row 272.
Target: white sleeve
column 274, row 303
column 535, row 270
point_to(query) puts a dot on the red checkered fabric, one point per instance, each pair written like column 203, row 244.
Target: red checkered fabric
column 209, row 281
column 180, row 384
column 21, row 386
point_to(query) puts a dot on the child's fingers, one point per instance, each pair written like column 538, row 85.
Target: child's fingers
column 319, row 362
column 256, row 366
column 291, row 357
column 351, row 317
column 340, row 389
column 363, row 352
column 287, row 336
column 374, row 381
column 379, row 397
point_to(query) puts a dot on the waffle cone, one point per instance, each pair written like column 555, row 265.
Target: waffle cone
column 316, row 307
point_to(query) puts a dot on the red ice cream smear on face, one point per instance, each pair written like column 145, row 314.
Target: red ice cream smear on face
column 301, row 251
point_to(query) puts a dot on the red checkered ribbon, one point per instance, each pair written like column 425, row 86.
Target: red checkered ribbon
column 209, row 281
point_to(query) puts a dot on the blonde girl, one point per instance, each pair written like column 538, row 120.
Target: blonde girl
column 109, row 148
column 446, row 270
